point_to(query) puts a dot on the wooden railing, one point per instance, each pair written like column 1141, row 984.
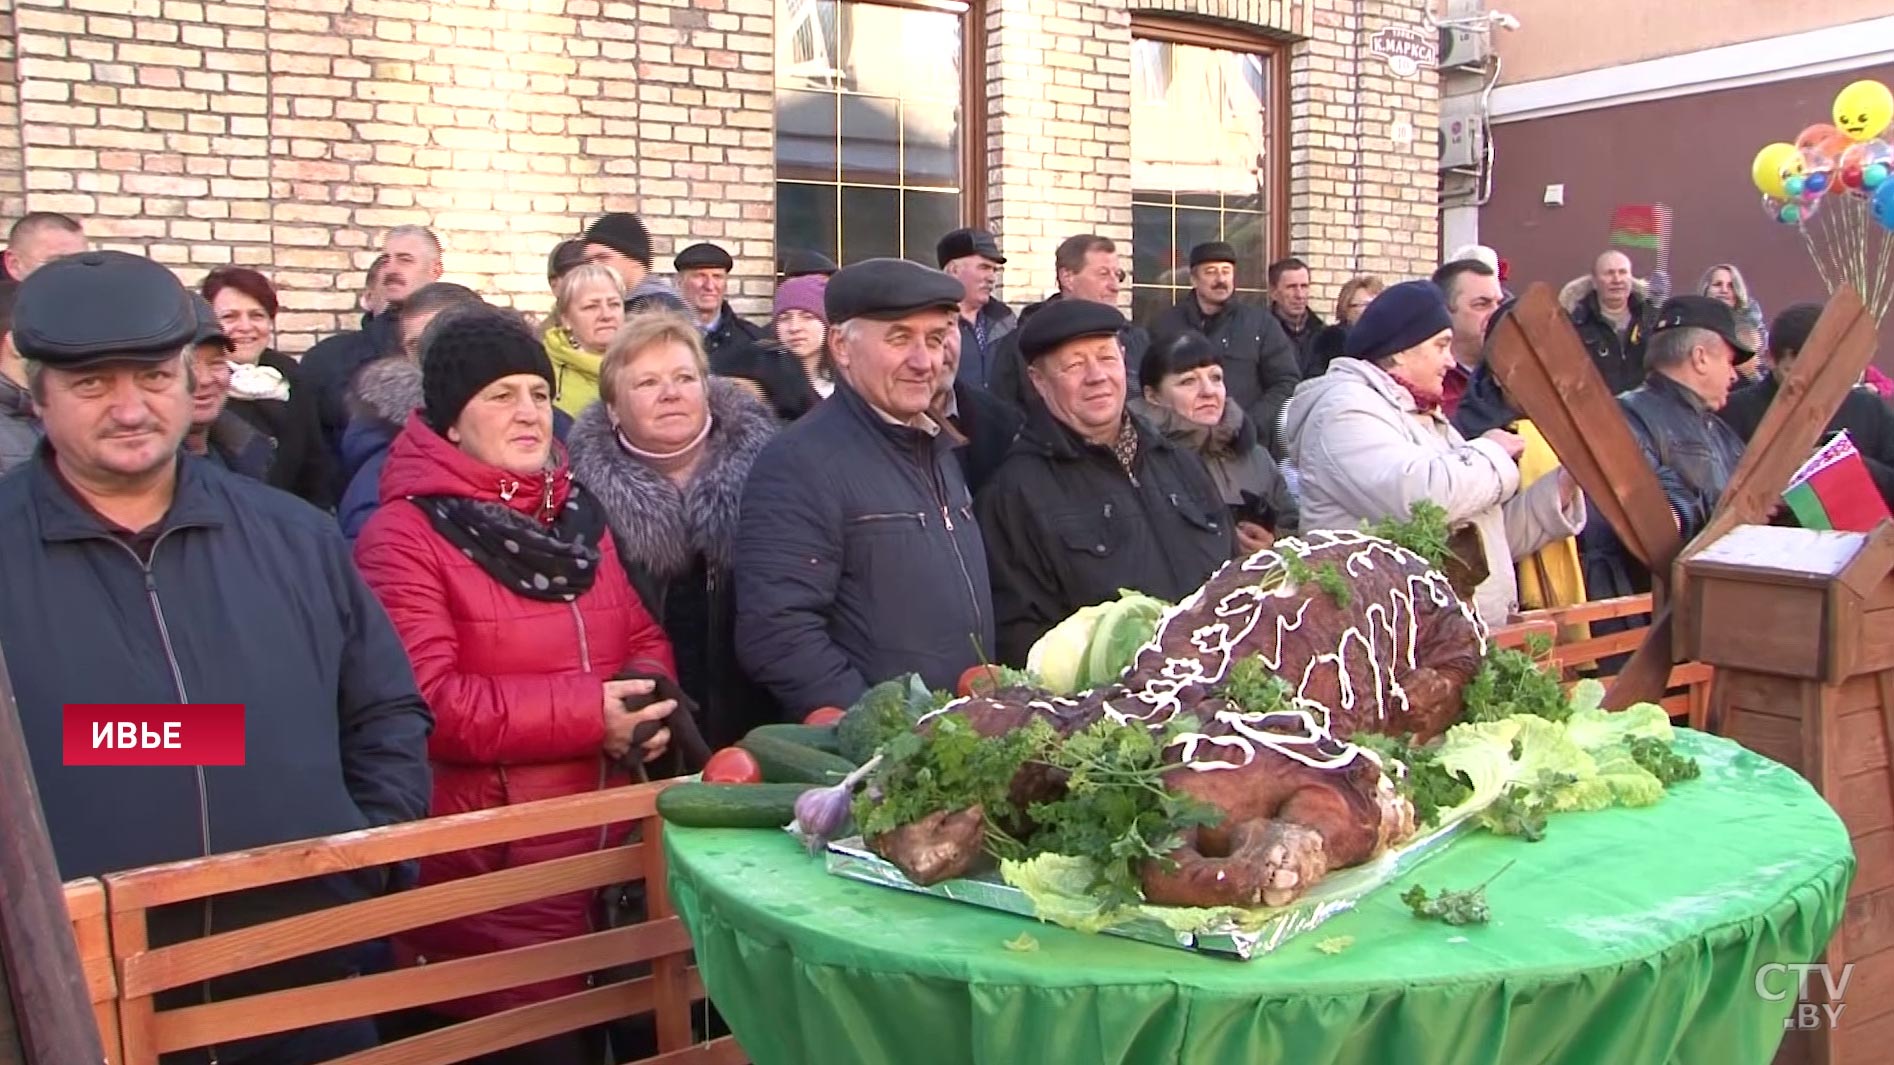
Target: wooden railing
column 125, row 974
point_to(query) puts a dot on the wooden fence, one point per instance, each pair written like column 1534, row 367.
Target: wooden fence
column 124, row 973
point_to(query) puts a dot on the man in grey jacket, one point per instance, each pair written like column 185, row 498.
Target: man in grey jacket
column 19, row 422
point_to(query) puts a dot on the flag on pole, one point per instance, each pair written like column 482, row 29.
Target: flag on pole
column 1833, row 490
column 1642, row 225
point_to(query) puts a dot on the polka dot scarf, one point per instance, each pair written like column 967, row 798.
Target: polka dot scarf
column 554, row 562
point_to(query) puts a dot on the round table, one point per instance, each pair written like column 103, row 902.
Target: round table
column 1627, row 936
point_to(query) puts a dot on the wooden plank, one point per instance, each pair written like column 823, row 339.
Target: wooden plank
column 1860, row 1041
column 147, row 973
column 198, row 878
column 1777, row 630
column 1642, row 678
column 1761, row 693
column 1550, row 377
column 723, row 1051
column 91, row 933
column 1862, row 742
column 1624, row 606
column 673, row 994
column 46, row 993
column 1580, row 652
column 1882, row 597
column 1870, row 992
column 1864, row 802
column 506, row 1029
column 1518, row 634
column 1874, row 863
column 1869, row 920
column 365, row 996
column 136, row 1016
column 1877, row 642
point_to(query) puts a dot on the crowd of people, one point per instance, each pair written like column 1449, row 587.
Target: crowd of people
column 516, row 560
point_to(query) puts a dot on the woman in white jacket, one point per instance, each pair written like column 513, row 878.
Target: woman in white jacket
column 1370, row 441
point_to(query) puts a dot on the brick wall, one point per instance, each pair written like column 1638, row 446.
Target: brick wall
column 1058, row 141
column 290, row 134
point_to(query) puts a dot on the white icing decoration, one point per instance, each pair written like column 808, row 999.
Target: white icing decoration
column 1303, row 732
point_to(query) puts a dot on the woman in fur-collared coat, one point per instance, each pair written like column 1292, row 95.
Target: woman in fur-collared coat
column 666, row 451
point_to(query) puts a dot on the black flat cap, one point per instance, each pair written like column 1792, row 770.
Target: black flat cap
column 801, row 262
column 101, row 305
column 703, row 257
column 209, row 329
column 1696, row 312
column 1214, row 251
column 964, row 242
column 886, row 289
column 1065, row 320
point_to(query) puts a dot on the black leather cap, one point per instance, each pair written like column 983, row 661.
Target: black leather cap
column 1214, row 251
column 801, row 262
column 101, row 305
column 702, row 257
column 964, row 242
column 1701, row 312
column 1064, row 320
column 209, row 329
column 886, row 289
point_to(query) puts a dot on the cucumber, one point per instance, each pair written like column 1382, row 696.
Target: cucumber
column 694, row 804
column 784, row 762
column 817, row 737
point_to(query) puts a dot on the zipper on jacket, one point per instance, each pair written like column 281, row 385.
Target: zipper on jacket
column 177, row 680
column 935, row 482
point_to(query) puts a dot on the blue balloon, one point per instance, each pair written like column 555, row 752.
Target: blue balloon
column 1884, row 204
column 1817, row 183
column 1873, row 175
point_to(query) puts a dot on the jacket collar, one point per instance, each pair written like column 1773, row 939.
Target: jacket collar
column 64, row 519
column 1660, row 385
column 1051, row 437
column 906, row 436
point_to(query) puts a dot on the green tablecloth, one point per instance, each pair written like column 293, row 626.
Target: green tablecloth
column 1626, row 937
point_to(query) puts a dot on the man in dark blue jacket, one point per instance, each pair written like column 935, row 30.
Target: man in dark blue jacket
column 133, row 574
column 857, row 555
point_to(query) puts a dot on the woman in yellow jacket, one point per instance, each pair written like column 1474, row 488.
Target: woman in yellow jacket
column 588, row 307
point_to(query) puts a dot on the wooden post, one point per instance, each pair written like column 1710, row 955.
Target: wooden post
column 46, row 991
column 1799, row 625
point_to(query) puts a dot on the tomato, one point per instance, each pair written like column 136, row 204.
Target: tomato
column 827, row 715
column 732, row 765
column 978, row 680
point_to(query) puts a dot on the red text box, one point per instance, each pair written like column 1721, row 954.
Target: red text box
column 153, row 734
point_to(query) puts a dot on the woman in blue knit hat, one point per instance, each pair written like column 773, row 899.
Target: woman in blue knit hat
column 1370, row 440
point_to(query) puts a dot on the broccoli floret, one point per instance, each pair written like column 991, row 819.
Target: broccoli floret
column 882, row 713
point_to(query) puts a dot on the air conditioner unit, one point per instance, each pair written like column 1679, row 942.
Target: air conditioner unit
column 1462, row 132
column 1462, row 47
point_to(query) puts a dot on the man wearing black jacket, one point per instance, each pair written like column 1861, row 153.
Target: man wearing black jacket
column 1086, row 267
column 132, row 574
column 1259, row 363
column 1092, row 499
column 1865, row 417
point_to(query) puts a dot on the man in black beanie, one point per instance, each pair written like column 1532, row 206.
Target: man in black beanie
column 619, row 240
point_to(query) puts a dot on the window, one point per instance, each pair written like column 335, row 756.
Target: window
column 870, row 131
column 1206, row 115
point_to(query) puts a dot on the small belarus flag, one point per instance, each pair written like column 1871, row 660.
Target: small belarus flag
column 1644, row 225
column 1833, row 490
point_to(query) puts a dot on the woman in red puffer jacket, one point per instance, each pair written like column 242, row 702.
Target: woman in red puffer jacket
column 503, row 581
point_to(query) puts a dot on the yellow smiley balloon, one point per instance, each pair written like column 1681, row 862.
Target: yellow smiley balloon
column 1863, row 110
column 1766, row 170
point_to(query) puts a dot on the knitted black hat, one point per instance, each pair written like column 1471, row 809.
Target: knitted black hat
column 624, row 233
column 473, row 347
column 1401, row 317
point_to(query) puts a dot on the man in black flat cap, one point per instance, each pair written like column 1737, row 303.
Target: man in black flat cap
column 703, row 276
column 1258, row 359
column 857, row 556
column 802, row 262
column 973, row 257
column 177, row 582
column 1091, row 499
column 1690, row 360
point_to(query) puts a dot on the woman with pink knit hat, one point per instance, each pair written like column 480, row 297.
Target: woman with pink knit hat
column 788, row 369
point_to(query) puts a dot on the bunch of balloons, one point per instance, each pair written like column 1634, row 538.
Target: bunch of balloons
column 1848, row 158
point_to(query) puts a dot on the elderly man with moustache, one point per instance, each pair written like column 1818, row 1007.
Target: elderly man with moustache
column 703, row 279
column 1259, row 363
column 180, row 583
column 857, row 556
column 1091, row 499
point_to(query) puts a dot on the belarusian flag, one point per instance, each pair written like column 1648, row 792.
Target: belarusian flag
column 1640, row 226
column 1833, row 490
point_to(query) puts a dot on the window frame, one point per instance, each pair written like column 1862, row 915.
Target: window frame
column 972, row 152
column 1186, row 31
